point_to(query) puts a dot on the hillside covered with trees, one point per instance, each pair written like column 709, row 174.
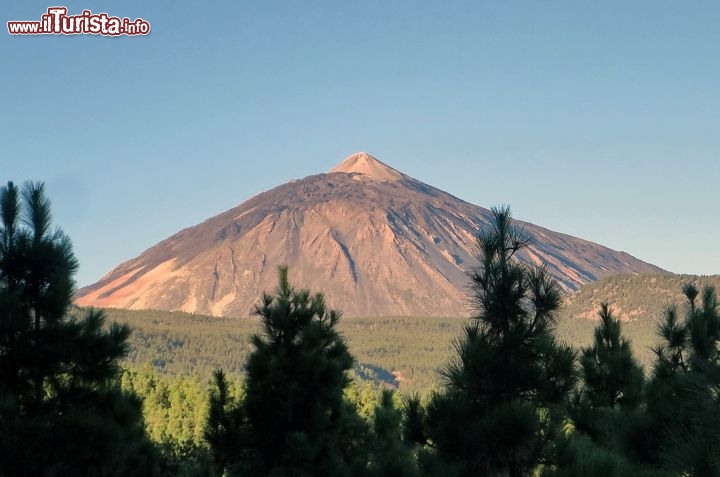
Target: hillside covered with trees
column 414, row 348
column 634, row 298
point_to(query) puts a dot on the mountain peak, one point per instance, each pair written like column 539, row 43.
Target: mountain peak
column 375, row 241
column 366, row 165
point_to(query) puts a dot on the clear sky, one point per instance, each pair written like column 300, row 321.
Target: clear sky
column 597, row 119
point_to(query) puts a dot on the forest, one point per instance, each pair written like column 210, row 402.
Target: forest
column 301, row 391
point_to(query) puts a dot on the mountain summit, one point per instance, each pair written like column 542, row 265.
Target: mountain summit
column 375, row 240
column 367, row 167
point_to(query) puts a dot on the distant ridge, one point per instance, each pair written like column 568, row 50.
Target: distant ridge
column 375, row 240
column 636, row 298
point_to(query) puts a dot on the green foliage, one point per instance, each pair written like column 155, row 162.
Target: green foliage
column 672, row 428
column 413, row 348
column 223, row 431
column 638, row 301
column 580, row 456
column 390, row 457
column 611, row 375
column 290, row 405
column 175, row 410
column 684, row 392
column 606, row 409
column 616, row 430
column 365, row 396
column 61, row 411
column 177, row 343
column 612, row 384
column 293, row 419
column 181, row 418
column 402, row 352
column 510, row 379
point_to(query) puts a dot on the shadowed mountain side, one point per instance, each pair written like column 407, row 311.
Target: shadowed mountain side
column 376, row 241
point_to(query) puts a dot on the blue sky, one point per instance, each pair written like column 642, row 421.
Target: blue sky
column 597, row 119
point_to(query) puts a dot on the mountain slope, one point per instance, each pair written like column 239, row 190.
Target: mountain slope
column 376, row 241
column 638, row 298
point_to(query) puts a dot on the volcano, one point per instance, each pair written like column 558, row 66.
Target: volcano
column 374, row 240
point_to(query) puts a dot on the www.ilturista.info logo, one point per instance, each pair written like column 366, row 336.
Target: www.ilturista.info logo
column 57, row 22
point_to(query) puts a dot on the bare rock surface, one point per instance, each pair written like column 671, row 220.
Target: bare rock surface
column 374, row 240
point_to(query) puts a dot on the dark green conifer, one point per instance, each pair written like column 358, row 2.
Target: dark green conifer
column 295, row 420
column 61, row 410
column 390, row 457
column 506, row 390
column 611, row 375
column 606, row 410
column 612, row 383
column 683, row 401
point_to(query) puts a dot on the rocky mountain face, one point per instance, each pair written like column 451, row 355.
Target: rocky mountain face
column 374, row 240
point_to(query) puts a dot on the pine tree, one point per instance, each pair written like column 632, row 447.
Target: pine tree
column 683, row 401
column 613, row 382
column 506, row 390
column 390, row 457
column 223, row 427
column 61, row 410
column 294, row 419
column 606, row 410
column 611, row 375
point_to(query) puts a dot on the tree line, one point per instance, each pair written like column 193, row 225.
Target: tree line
column 514, row 401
